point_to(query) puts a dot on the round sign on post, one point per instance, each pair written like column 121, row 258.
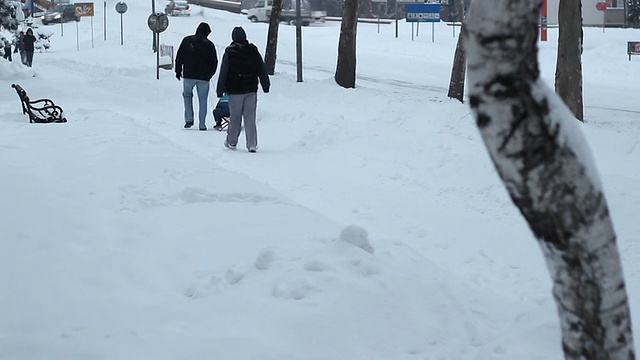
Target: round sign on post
column 121, row 7
column 158, row 22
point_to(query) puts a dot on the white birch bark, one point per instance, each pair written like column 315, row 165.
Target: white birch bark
column 538, row 151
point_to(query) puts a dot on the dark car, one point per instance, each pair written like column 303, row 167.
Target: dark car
column 177, row 7
column 59, row 14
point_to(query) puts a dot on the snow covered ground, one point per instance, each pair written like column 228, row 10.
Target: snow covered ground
column 125, row 236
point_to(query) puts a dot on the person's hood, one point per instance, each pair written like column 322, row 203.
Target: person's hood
column 238, row 34
column 203, row 29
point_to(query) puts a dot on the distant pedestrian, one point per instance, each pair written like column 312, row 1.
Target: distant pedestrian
column 7, row 49
column 221, row 110
column 29, row 42
column 196, row 62
column 241, row 69
column 20, row 48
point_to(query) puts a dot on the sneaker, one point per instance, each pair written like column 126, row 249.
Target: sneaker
column 218, row 127
column 229, row 146
column 252, row 150
column 203, row 129
column 188, row 125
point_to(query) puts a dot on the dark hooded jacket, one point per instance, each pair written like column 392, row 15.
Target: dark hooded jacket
column 196, row 57
column 28, row 41
column 242, row 66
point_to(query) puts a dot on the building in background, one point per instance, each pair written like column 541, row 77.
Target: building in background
column 613, row 16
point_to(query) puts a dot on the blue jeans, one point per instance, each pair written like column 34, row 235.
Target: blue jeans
column 202, row 87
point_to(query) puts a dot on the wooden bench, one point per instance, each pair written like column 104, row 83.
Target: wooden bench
column 39, row 111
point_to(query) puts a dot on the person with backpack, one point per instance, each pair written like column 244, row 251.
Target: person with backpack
column 241, row 69
column 196, row 62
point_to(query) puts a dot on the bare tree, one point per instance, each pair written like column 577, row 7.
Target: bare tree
column 540, row 155
column 456, row 84
column 458, row 70
column 569, row 63
column 272, row 37
column 346, row 69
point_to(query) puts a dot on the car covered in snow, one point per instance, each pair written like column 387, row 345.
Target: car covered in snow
column 177, row 8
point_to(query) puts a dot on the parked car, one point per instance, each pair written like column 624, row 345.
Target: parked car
column 59, row 14
column 177, row 7
column 261, row 12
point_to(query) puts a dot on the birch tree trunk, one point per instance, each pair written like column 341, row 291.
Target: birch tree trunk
column 346, row 69
column 569, row 63
column 537, row 149
column 272, row 37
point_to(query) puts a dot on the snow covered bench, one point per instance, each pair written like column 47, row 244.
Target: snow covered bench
column 39, row 111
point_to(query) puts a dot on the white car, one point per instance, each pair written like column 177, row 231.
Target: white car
column 177, row 7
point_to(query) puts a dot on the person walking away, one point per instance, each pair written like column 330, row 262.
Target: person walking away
column 29, row 42
column 7, row 49
column 241, row 69
column 20, row 48
column 196, row 62
column 221, row 110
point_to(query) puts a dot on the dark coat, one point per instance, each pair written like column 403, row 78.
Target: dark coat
column 242, row 66
column 28, row 42
column 196, row 57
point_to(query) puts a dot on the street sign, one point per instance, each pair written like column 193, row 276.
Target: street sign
column 423, row 13
column 158, row 22
column 601, row 5
column 121, row 7
column 83, row 9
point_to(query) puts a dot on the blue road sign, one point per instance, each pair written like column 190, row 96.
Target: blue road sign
column 423, row 12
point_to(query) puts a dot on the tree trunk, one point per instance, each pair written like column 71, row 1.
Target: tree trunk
column 456, row 85
column 346, row 68
column 272, row 37
column 543, row 161
column 569, row 65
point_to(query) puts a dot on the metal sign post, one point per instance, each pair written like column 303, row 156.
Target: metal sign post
column 602, row 6
column 423, row 13
column 298, row 42
column 104, row 12
column 121, row 8
column 82, row 10
column 543, row 21
column 380, row 2
column 158, row 23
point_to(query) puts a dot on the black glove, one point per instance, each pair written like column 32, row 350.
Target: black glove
column 178, row 75
column 265, row 90
column 219, row 95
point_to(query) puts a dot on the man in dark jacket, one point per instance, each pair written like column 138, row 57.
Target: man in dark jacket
column 242, row 66
column 196, row 62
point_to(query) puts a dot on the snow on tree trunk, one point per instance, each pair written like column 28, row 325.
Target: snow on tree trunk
column 537, row 148
column 346, row 69
column 633, row 13
column 8, row 15
column 569, row 63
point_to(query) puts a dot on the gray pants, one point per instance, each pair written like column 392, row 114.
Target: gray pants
column 243, row 106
